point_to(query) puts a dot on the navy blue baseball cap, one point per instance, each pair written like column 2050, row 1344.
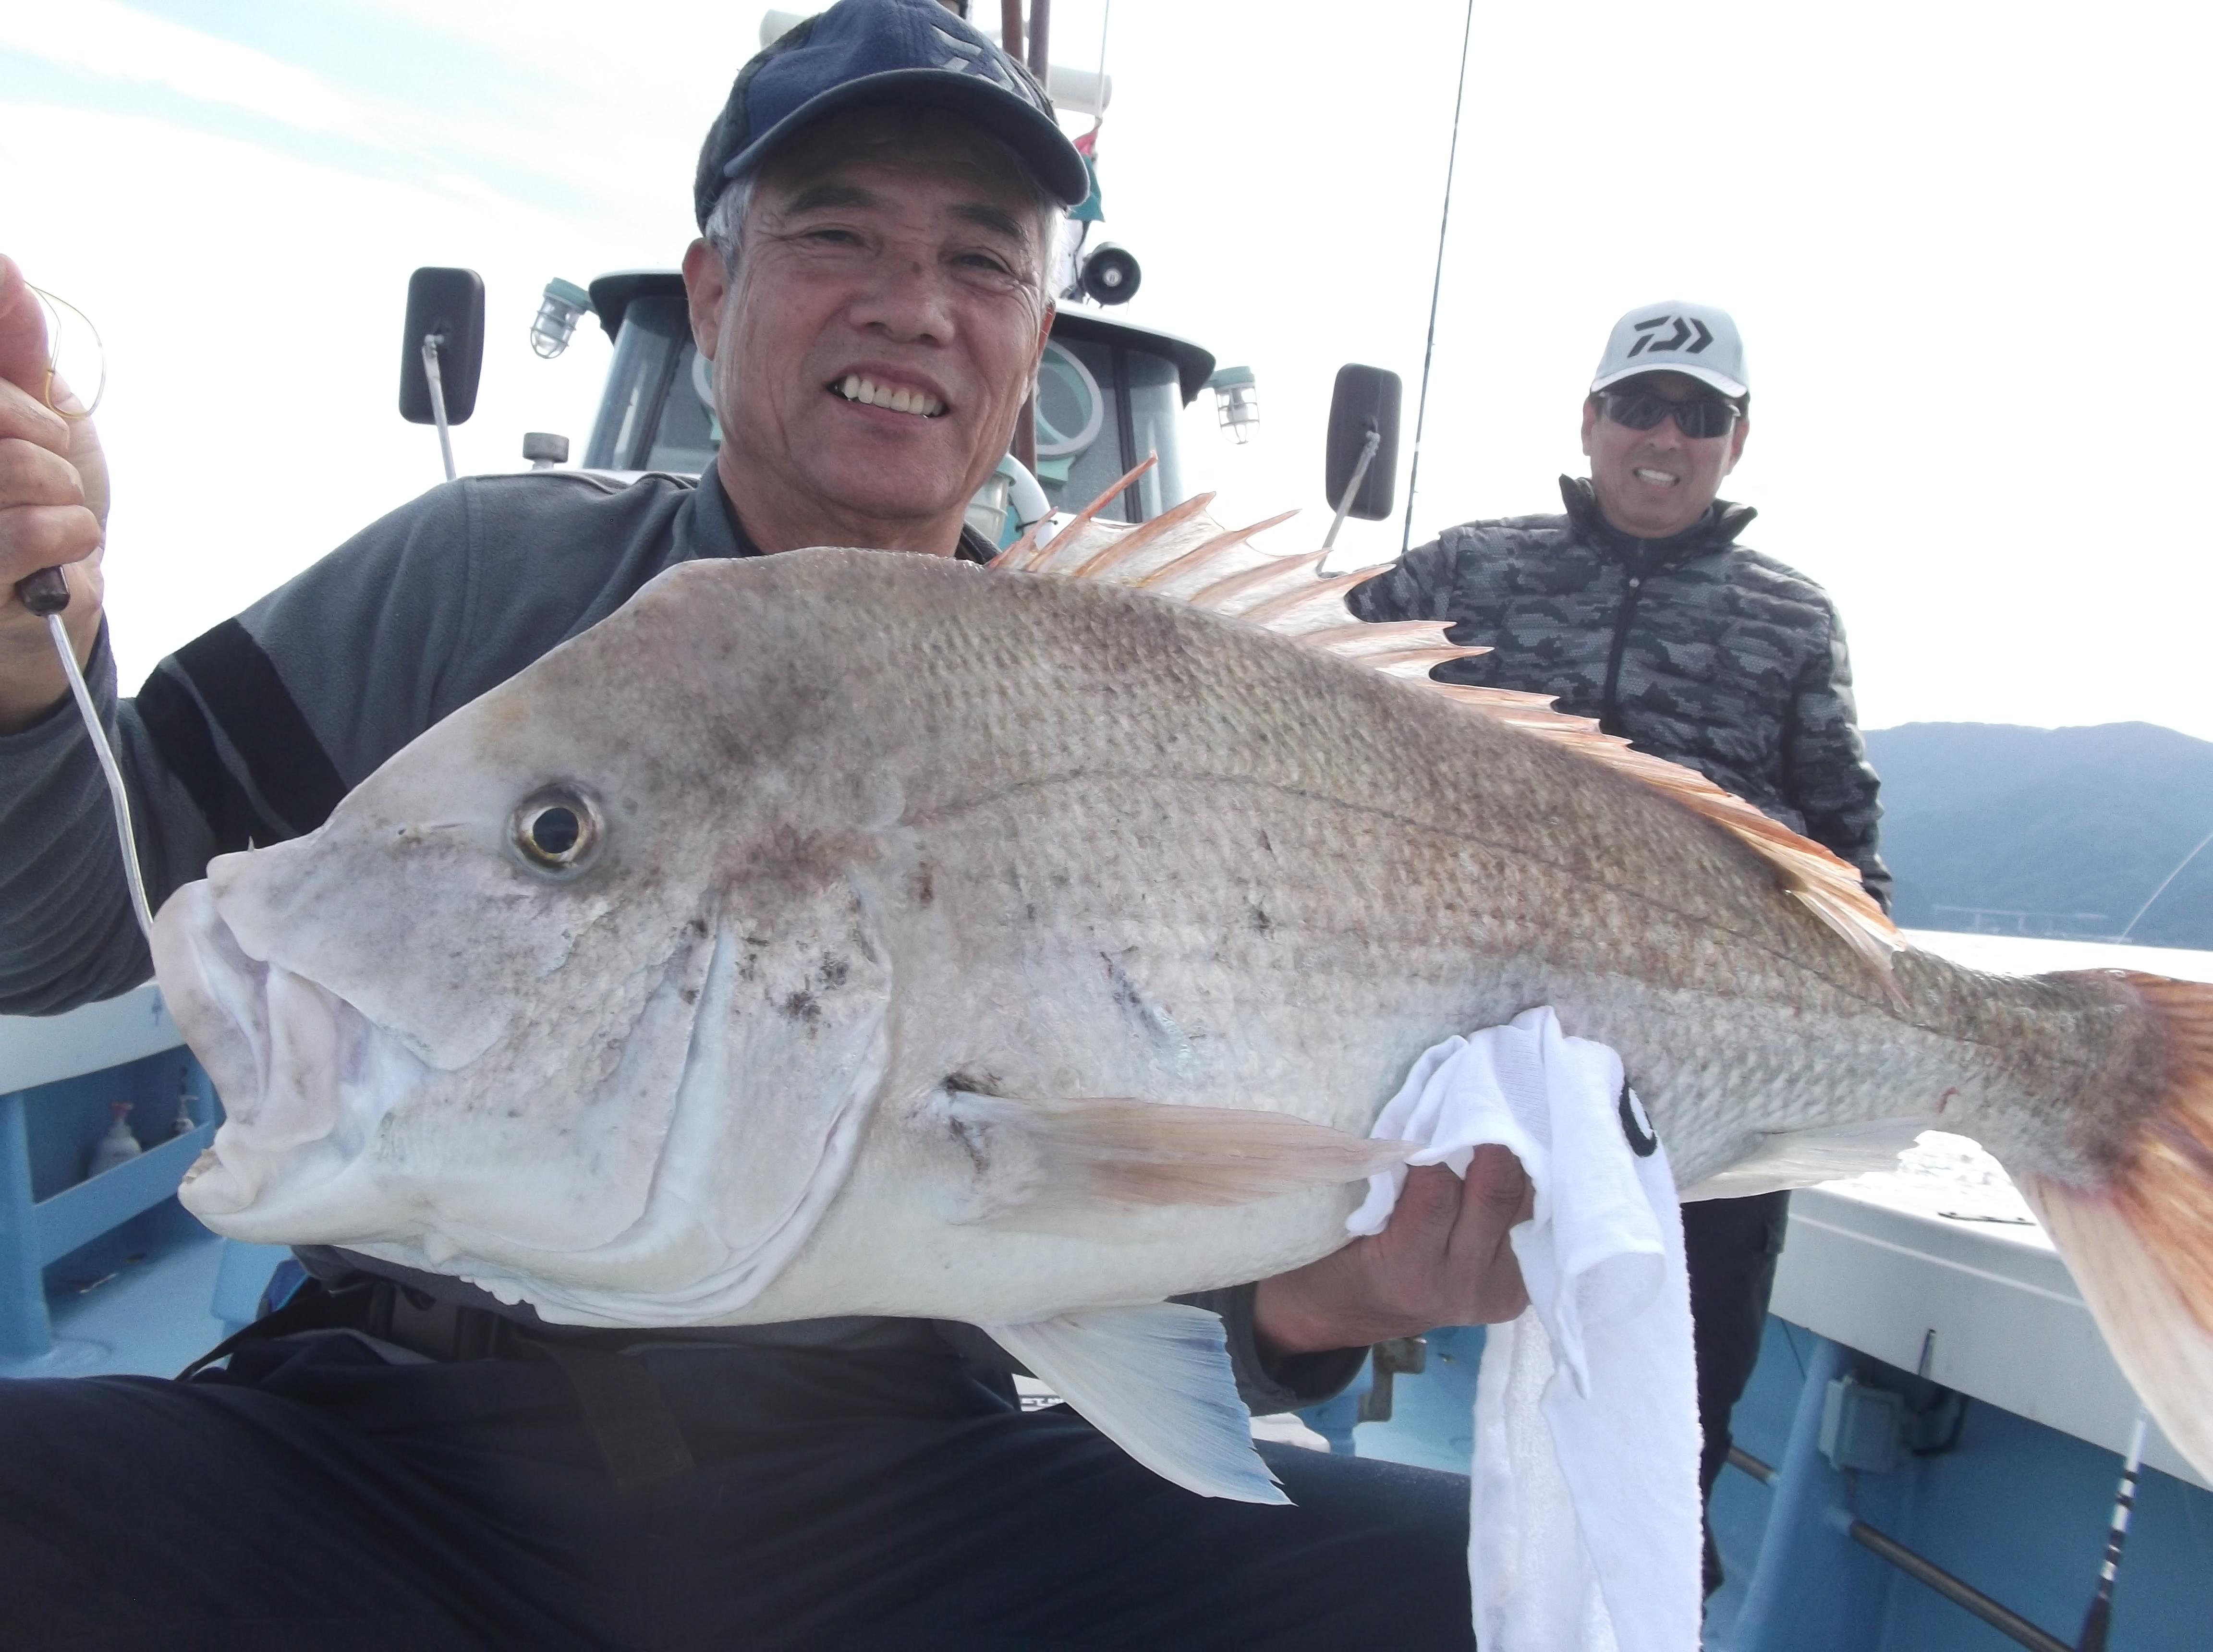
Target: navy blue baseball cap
column 877, row 51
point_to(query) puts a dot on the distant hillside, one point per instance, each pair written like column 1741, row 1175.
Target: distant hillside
column 2072, row 828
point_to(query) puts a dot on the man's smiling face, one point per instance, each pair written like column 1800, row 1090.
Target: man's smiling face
column 1655, row 482
column 880, row 333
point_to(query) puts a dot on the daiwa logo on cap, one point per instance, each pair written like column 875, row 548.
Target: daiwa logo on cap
column 980, row 57
column 1671, row 336
column 1687, row 327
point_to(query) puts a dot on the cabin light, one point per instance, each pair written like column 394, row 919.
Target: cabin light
column 1236, row 401
column 565, row 304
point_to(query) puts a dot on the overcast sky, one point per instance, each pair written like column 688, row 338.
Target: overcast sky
column 1965, row 243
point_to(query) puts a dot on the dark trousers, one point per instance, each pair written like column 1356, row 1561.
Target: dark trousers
column 317, row 1497
column 1729, row 1247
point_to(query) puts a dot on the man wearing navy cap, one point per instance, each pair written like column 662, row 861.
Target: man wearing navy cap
column 394, row 1458
column 1638, row 607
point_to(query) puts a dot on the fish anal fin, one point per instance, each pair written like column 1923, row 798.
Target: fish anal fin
column 2157, row 1336
column 1157, row 1381
column 1124, row 1152
column 1801, row 1158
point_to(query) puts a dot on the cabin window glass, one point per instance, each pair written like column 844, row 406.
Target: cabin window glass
column 688, row 433
column 1079, row 427
column 652, row 415
column 1156, row 421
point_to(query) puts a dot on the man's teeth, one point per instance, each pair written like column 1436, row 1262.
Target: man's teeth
column 1664, row 477
column 869, row 393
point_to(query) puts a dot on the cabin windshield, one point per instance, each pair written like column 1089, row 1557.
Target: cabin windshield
column 656, row 412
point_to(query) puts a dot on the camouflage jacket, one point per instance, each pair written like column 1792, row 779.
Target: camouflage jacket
column 1694, row 649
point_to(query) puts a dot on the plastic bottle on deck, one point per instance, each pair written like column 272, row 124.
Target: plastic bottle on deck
column 119, row 1146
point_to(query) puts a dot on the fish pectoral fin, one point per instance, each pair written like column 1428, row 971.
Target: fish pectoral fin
column 1157, row 1380
column 1126, row 1152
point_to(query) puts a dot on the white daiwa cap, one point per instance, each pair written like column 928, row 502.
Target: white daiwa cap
column 1674, row 337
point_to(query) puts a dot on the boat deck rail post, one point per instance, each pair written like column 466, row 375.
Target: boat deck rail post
column 26, row 1331
column 1774, row 1613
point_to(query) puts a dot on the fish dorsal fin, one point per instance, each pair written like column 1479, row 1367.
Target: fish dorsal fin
column 1828, row 886
column 1184, row 554
column 1157, row 1381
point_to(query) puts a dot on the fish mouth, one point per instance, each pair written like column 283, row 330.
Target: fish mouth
column 305, row 1078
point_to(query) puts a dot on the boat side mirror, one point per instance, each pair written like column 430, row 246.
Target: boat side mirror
column 1361, row 479
column 447, row 305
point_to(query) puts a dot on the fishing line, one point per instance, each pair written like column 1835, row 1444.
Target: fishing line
column 116, row 795
column 46, row 594
column 1437, row 285
column 2163, row 883
column 55, row 303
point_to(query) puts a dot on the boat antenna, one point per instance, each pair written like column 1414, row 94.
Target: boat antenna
column 1437, row 285
column 2163, row 883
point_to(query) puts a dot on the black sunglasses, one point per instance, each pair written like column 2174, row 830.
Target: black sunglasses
column 1640, row 410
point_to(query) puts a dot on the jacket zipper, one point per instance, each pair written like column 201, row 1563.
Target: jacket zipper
column 1609, row 712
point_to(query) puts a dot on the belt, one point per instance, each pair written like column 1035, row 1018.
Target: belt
column 622, row 1407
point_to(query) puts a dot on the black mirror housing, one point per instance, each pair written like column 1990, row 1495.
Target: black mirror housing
column 450, row 303
column 1366, row 399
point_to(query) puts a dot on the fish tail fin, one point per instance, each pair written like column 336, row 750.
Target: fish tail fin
column 2140, row 1247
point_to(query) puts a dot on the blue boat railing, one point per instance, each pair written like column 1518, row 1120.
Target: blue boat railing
column 66, row 1074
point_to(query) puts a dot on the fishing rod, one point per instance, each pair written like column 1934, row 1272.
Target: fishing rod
column 2098, row 1622
column 1436, row 284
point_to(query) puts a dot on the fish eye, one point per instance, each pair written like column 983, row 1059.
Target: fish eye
column 557, row 830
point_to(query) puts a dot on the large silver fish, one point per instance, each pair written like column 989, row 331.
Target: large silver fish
column 848, row 932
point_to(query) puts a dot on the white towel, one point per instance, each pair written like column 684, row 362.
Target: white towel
column 1584, row 1524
